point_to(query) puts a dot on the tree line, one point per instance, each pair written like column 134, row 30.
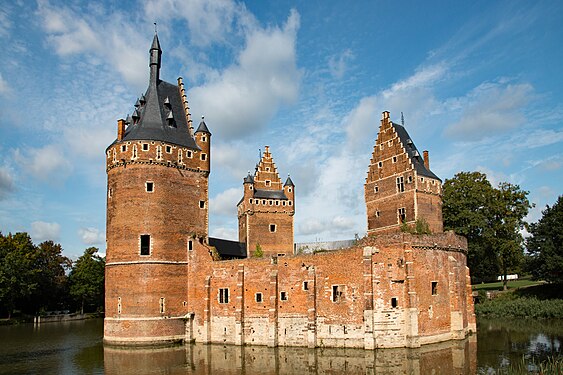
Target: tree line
column 35, row 279
column 492, row 220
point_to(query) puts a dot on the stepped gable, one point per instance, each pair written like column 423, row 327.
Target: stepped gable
column 160, row 114
column 267, row 182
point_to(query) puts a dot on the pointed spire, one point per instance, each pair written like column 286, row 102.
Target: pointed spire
column 167, row 102
column 137, row 103
column 248, row 179
column 142, row 99
column 155, row 54
column 202, row 128
column 135, row 116
column 288, row 182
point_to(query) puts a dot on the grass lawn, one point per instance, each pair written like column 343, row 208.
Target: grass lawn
column 512, row 284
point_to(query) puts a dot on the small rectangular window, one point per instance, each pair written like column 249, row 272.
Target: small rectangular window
column 394, row 159
column 189, row 154
column 264, row 202
column 145, row 244
column 380, row 164
column 110, row 192
column 434, row 288
column 123, row 148
column 402, row 213
column 377, row 214
column 376, row 189
column 394, row 302
column 272, row 228
column 283, row 296
column 190, row 245
column 258, row 297
column 149, row 185
column 409, row 179
column 400, row 184
column 168, row 149
column 268, row 182
column 203, row 156
column 223, row 295
column 337, row 293
column 201, row 204
column 145, row 146
column 119, row 305
column 162, row 305
column 290, row 203
column 203, row 138
column 305, row 285
column 277, row 203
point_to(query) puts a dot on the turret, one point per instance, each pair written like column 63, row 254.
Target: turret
column 154, row 63
column 203, row 140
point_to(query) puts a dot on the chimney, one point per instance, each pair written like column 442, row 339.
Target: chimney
column 385, row 115
column 120, row 129
column 426, row 159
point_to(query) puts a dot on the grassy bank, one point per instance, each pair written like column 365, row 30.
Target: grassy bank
column 553, row 366
column 528, row 300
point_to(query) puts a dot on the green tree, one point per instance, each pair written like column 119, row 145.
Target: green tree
column 491, row 220
column 18, row 277
column 87, row 279
column 258, row 253
column 545, row 245
column 51, row 267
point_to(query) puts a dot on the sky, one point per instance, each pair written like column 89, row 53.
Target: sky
column 479, row 83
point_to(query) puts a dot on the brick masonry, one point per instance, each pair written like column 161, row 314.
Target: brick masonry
column 164, row 283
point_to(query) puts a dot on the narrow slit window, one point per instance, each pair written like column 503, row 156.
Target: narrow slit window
column 259, row 297
column 380, row 164
column 272, row 228
column 162, row 305
column 159, row 152
column 123, row 148
column 134, row 151
column 394, row 159
column 434, row 288
column 394, row 302
column 145, row 244
column 145, row 146
column 376, row 189
column 119, row 305
column 201, row 204
column 283, row 296
column 149, row 186
column 377, row 214
column 190, row 245
column 203, row 157
column 305, row 285
column 189, row 154
column 223, row 295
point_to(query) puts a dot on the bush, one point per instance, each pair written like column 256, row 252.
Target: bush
column 509, row 306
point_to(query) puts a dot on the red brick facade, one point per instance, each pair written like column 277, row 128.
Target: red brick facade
column 164, row 282
column 265, row 213
column 400, row 186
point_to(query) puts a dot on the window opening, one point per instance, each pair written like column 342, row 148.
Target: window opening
column 159, row 152
column 110, row 192
column 400, row 184
column 394, row 302
column 189, row 154
column 180, row 158
column 337, row 293
column 259, row 297
column 283, row 296
column 145, row 244
column 290, row 203
column 190, row 245
column 134, row 151
column 203, row 138
column 289, row 190
column 119, row 305
column 272, row 227
column 434, row 288
column 376, row 189
column 162, row 305
column 201, row 204
column 123, row 148
column 169, row 149
column 305, row 285
column 149, row 186
column 203, row 157
column 409, row 179
column 377, row 213
column 402, row 215
column 394, row 159
column 268, row 182
column 380, row 164
column 145, row 146
column 223, row 295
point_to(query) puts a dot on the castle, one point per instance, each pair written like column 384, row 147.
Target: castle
column 168, row 281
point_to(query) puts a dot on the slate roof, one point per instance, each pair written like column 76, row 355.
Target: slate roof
column 202, row 128
column 288, row 182
column 269, row 194
column 412, row 152
column 228, row 249
column 159, row 113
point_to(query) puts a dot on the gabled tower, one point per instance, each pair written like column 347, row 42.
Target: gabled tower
column 265, row 212
column 400, row 186
column 157, row 203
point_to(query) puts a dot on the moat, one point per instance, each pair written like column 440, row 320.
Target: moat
column 76, row 348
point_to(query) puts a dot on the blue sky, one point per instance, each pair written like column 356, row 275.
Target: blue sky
column 480, row 84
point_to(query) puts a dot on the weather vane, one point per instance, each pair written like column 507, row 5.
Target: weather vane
column 154, row 27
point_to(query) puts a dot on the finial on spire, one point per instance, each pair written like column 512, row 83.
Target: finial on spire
column 155, row 27
column 402, row 119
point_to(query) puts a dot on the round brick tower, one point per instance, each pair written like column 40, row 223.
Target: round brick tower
column 157, row 205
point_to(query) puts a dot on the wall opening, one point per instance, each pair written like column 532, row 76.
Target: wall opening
column 190, row 245
column 394, row 302
column 305, row 285
column 283, row 296
column 337, row 293
column 258, row 297
column 223, row 295
column 145, row 244
column 272, row 228
column 149, row 186
column 434, row 288
column 162, row 305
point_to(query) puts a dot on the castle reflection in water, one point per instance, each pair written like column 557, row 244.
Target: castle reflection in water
column 453, row 357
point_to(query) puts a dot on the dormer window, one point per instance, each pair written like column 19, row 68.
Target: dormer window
column 268, row 182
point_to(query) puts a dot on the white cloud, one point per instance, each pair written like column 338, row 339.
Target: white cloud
column 5, row 23
column 248, row 94
column 6, row 182
column 44, row 231
column 225, row 203
column 233, row 157
column 91, row 236
column 208, row 21
column 491, row 108
column 338, row 64
column 225, row 233
column 47, row 163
